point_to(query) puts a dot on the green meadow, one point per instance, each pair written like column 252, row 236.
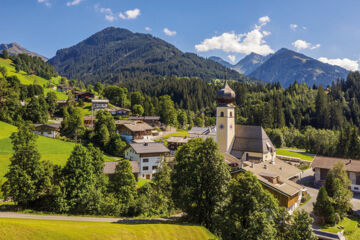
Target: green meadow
column 28, row 79
column 54, row 150
column 14, row 229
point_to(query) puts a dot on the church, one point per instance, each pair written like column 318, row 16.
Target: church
column 248, row 148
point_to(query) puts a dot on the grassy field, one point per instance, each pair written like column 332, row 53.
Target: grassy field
column 54, row 150
column 14, row 229
column 289, row 153
column 180, row 133
column 351, row 229
column 28, row 79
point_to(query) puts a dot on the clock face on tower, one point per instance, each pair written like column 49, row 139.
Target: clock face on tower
column 230, row 125
column 221, row 126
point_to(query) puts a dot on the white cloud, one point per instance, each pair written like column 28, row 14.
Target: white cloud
column 109, row 15
column 169, row 32
column 264, row 19
column 148, row 29
column 304, row 27
column 348, row 64
column 301, row 44
column 245, row 43
column 73, row 3
column 232, row 58
column 45, row 2
column 130, row 14
column 293, row 27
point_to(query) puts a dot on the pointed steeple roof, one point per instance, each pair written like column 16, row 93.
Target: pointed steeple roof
column 225, row 95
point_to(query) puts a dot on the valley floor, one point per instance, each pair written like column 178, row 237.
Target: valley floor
column 13, row 229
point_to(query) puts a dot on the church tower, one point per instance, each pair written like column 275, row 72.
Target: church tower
column 225, row 118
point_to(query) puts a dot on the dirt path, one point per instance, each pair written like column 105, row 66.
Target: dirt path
column 85, row 219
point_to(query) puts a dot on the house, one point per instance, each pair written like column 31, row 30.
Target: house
column 64, row 88
column 132, row 130
column 148, row 156
column 203, row 132
column 99, row 104
column 321, row 166
column 117, row 111
column 79, row 95
column 110, row 167
column 175, row 142
column 89, row 121
column 61, row 103
column 248, row 148
column 47, row 130
column 151, row 120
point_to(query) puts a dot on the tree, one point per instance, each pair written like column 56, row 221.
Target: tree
column 138, row 110
column 250, row 212
column 167, row 111
column 322, row 109
column 25, row 175
column 123, row 185
column 36, row 112
column 162, row 190
column 323, row 207
column 5, row 54
column 337, row 186
column 99, row 88
column 80, row 182
column 300, row 227
column 72, row 125
column 51, row 102
column 200, row 179
column 136, row 98
column 282, row 226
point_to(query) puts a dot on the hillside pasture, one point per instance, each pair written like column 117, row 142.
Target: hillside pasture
column 14, row 229
column 54, row 150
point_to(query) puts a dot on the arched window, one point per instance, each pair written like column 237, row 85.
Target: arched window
column 230, row 114
column 222, row 114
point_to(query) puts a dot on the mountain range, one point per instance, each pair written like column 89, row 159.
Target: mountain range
column 15, row 49
column 116, row 54
column 286, row 66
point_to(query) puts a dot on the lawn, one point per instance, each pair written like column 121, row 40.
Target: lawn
column 289, row 153
column 351, row 229
column 14, row 229
column 180, row 133
column 54, row 150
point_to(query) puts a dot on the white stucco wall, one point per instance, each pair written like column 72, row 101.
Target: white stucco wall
column 151, row 162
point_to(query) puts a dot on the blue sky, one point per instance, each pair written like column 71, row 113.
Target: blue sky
column 324, row 29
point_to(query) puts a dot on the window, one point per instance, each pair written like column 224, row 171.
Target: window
column 323, row 173
column 357, row 179
column 222, row 114
column 145, row 160
column 145, row 168
column 154, row 167
column 230, row 114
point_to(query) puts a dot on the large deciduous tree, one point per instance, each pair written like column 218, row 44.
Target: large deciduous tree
column 251, row 211
column 200, row 180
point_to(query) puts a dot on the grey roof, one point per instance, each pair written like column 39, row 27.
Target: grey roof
column 251, row 139
column 351, row 165
column 55, row 126
column 110, row 167
column 150, row 118
column 153, row 147
column 203, row 130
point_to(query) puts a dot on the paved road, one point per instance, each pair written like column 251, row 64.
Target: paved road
column 85, row 219
column 307, row 179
